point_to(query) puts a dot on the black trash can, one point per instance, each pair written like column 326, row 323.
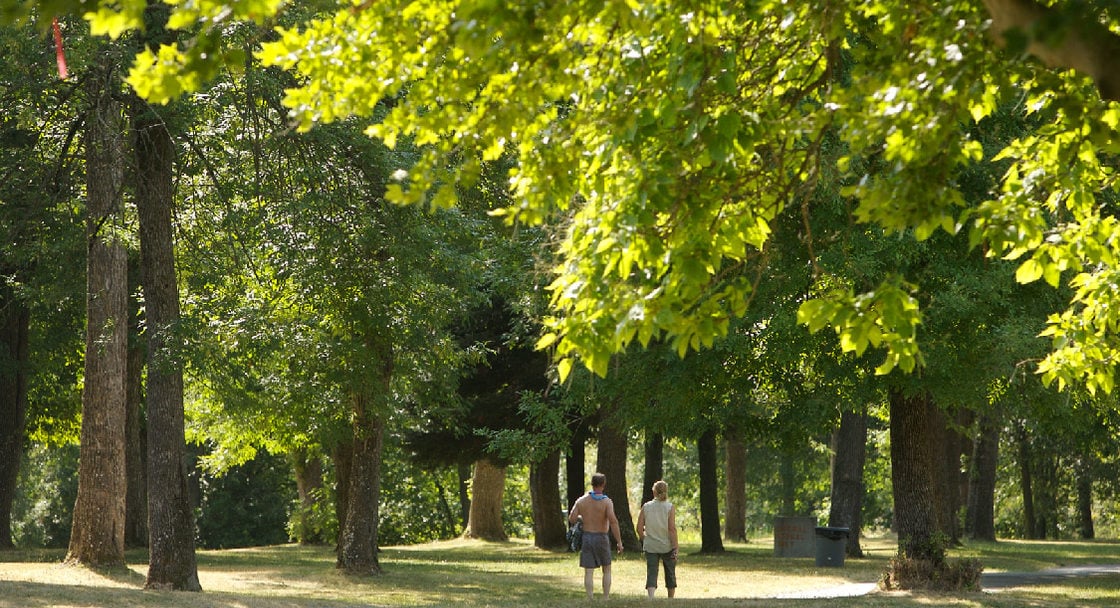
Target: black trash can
column 832, row 544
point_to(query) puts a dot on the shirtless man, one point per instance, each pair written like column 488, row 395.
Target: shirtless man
column 599, row 524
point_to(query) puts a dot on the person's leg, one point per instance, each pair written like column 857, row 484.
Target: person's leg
column 651, row 573
column 607, row 582
column 589, row 581
column 670, row 573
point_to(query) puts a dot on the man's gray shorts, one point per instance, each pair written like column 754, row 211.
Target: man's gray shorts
column 596, row 550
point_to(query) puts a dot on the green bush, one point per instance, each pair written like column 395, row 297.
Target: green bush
column 247, row 505
column 47, row 489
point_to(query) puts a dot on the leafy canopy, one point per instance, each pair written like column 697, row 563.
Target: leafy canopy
column 673, row 133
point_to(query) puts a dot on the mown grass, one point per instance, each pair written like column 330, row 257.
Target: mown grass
column 473, row 573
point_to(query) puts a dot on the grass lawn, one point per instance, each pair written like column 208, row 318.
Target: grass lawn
column 473, row 573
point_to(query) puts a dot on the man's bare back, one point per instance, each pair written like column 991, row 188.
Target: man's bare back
column 598, row 514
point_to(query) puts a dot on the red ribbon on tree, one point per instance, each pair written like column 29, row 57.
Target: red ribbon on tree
column 60, row 55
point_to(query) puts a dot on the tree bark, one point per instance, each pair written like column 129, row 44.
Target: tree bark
column 172, row 563
column 97, row 532
column 654, row 469
column 980, row 516
column 711, row 540
column 544, row 488
column 357, row 552
column 850, row 445
column 15, row 322
column 1085, row 45
column 487, row 489
column 913, row 462
column 735, row 470
column 611, row 461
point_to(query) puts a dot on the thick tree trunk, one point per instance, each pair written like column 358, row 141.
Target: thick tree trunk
column 172, row 563
column 711, row 541
column 611, row 461
column 544, row 488
column 308, row 470
column 735, row 470
column 15, row 321
column 575, row 464
column 913, row 462
column 850, row 445
column 1085, row 502
column 487, row 489
column 654, row 464
column 1026, row 481
column 97, row 532
column 980, row 516
column 136, row 446
column 357, row 553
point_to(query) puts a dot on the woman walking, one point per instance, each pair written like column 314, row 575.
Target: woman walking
column 657, row 529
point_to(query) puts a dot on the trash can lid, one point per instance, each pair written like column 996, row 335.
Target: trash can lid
column 832, row 533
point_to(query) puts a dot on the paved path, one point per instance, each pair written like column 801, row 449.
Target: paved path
column 990, row 581
column 995, row 581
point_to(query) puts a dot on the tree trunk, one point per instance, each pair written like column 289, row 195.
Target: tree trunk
column 735, row 469
column 711, row 541
column 487, row 488
column 15, row 321
column 914, row 481
column 464, row 471
column 1026, row 483
column 575, row 465
column 1085, row 501
column 136, row 445
column 611, row 461
column 946, row 471
column 549, row 525
column 97, row 532
column 1046, row 494
column 357, row 552
column 788, row 480
column 980, row 516
column 655, row 467
column 172, row 563
column 308, row 470
column 850, row 444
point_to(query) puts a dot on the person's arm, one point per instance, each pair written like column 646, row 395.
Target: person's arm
column 642, row 524
column 673, row 530
column 573, row 514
